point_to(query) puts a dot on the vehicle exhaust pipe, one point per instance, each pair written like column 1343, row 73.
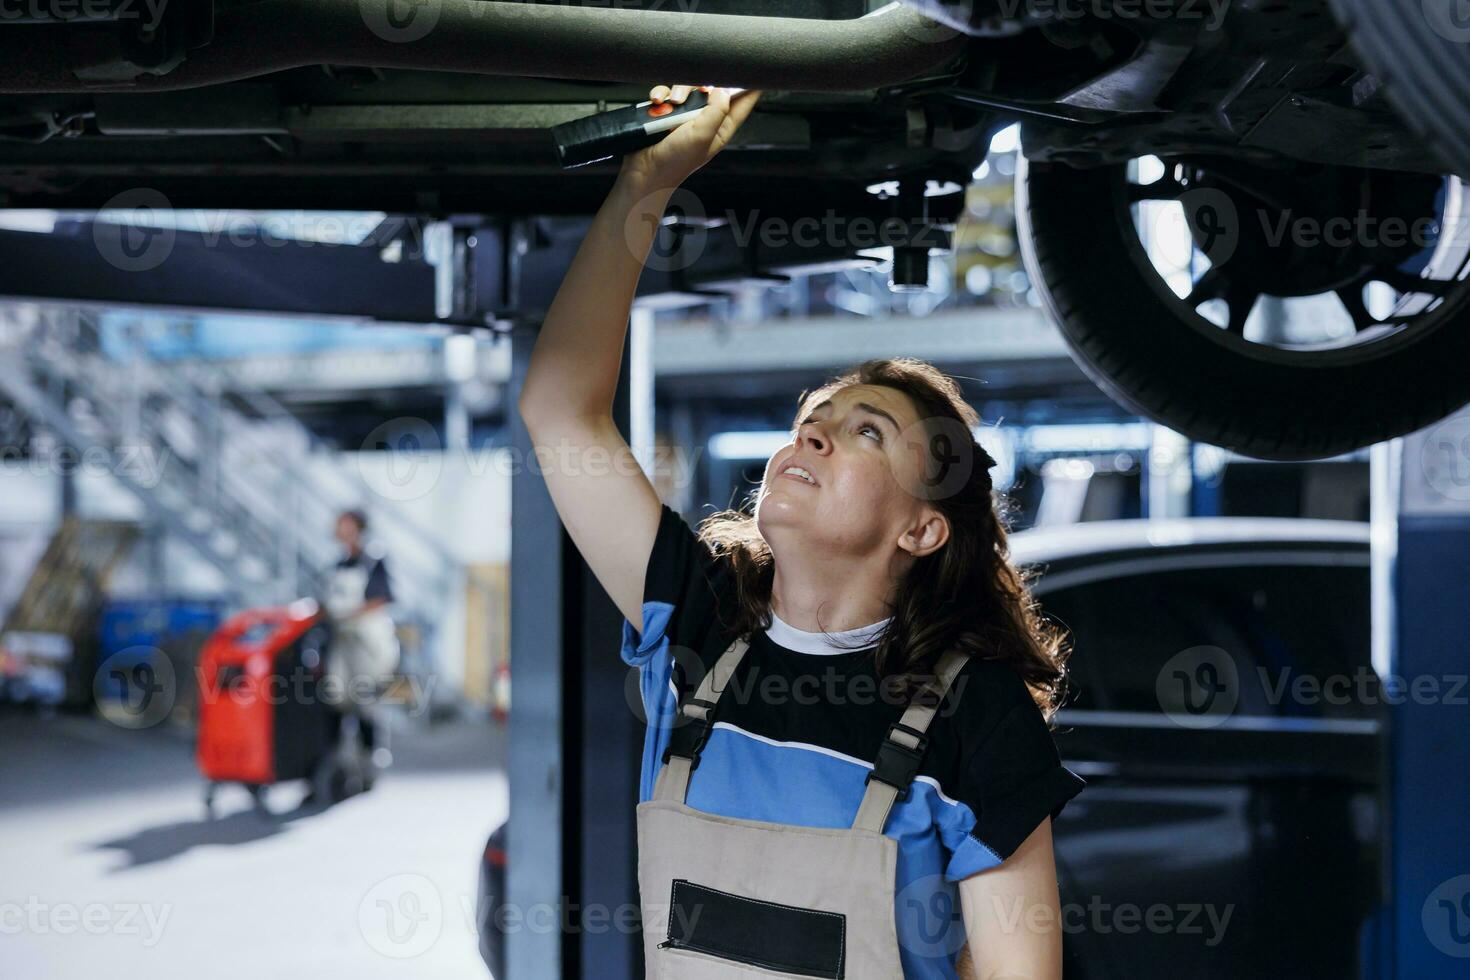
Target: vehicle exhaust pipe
column 493, row 37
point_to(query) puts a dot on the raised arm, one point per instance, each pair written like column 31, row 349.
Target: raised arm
column 606, row 502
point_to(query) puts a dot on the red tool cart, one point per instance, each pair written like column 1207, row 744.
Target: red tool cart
column 261, row 717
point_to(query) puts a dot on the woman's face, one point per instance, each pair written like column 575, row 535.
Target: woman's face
column 347, row 532
column 839, row 485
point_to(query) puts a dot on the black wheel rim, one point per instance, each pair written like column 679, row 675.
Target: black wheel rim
column 1222, row 210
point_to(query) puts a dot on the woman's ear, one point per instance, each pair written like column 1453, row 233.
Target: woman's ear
column 928, row 534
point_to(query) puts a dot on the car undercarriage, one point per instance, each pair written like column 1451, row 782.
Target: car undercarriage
column 1263, row 115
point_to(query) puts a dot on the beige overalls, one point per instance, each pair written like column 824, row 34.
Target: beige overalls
column 725, row 898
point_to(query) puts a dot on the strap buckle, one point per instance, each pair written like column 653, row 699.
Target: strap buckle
column 687, row 740
column 698, row 709
column 897, row 764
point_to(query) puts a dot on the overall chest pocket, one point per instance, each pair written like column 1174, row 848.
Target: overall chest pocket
column 788, row 939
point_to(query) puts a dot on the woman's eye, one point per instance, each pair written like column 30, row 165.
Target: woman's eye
column 873, row 431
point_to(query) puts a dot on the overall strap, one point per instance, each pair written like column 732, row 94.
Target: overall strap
column 687, row 739
column 903, row 748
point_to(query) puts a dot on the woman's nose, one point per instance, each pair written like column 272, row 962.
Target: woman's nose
column 812, row 437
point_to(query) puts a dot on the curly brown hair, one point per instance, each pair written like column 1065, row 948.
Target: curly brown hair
column 967, row 595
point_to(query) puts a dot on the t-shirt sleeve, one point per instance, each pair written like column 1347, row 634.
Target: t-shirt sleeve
column 377, row 582
column 1011, row 781
column 681, row 590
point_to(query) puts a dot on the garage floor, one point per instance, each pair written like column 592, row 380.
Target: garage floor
column 108, row 867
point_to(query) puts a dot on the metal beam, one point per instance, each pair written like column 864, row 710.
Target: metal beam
column 355, row 370
column 966, row 334
column 886, row 47
column 488, row 272
column 538, row 767
column 122, row 265
column 575, row 742
column 1421, row 535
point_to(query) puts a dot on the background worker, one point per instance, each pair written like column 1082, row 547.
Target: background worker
column 363, row 653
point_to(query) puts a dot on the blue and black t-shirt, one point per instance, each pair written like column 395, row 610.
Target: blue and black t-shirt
column 799, row 725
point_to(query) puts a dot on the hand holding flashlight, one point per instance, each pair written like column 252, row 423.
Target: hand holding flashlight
column 664, row 140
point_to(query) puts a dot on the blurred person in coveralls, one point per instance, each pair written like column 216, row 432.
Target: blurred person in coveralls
column 363, row 653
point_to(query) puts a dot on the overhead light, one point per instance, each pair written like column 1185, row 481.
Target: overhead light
column 459, row 357
column 1007, row 140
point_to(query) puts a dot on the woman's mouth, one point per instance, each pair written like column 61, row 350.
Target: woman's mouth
column 798, row 473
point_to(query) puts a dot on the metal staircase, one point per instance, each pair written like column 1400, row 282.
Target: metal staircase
column 235, row 476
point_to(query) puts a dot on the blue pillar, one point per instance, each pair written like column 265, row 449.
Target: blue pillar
column 575, row 745
column 538, row 768
column 1421, row 613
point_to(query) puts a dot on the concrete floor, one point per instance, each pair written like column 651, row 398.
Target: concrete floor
column 109, row 867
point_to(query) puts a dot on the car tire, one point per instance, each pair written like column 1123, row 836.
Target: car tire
column 1129, row 335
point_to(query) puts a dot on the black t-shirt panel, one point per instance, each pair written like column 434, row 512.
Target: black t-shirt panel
column 377, row 571
column 989, row 745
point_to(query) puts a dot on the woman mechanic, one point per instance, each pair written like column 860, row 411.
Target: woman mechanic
column 848, row 769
